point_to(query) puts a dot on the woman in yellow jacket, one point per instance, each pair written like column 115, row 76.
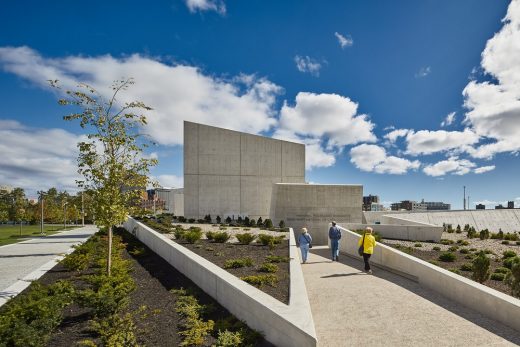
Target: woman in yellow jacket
column 369, row 242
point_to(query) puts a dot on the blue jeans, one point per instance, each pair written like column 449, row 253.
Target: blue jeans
column 334, row 246
column 305, row 251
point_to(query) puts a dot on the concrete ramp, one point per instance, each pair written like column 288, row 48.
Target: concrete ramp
column 351, row 308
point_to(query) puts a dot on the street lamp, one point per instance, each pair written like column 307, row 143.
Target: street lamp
column 41, row 212
column 65, row 215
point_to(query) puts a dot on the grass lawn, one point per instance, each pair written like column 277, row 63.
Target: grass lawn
column 11, row 233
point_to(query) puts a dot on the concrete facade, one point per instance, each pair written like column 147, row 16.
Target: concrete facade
column 316, row 205
column 173, row 199
column 229, row 173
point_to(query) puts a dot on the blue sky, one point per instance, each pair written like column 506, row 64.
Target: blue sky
column 412, row 99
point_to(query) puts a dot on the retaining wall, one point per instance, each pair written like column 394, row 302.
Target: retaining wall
column 403, row 232
column 282, row 325
column 489, row 302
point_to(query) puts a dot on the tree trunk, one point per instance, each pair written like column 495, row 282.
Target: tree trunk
column 109, row 260
column 20, row 228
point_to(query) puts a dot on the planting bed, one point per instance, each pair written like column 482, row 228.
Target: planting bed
column 153, row 305
column 432, row 256
column 219, row 253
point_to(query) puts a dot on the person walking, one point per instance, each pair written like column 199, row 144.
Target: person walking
column 334, row 236
column 368, row 242
column 304, row 242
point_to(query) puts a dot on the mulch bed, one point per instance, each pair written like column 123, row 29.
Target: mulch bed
column 218, row 253
column 460, row 260
column 157, row 324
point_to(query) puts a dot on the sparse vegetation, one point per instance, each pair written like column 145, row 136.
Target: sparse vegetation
column 238, row 263
column 481, row 267
column 447, row 257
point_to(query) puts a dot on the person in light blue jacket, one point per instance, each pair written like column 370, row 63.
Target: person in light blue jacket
column 304, row 242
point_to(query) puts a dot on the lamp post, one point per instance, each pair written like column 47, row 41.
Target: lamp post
column 41, row 213
column 82, row 210
column 65, row 215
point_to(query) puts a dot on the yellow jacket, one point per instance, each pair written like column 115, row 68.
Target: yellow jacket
column 370, row 243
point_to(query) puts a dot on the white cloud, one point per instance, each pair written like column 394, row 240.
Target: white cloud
column 452, row 165
column 37, row 159
column 344, row 41
column 307, row 64
column 448, row 120
column 169, row 181
column 373, row 158
column 327, row 115
column 494, row 108
column 176, row 92
column 206, row 5
column 428, row 142
column 423, row 72
column 483, row 169
column 393, row 135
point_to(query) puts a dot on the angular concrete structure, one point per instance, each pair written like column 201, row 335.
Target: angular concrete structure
column 229, row 173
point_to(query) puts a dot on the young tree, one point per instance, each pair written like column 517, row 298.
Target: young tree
column 111, row 160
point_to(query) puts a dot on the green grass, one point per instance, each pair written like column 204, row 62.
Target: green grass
column 11, row 233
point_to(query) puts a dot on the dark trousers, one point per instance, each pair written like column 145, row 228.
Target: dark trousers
column 365, row 258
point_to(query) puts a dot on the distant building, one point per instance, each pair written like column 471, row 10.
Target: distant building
column 481, row 207
column 436, row 206
column 368, row 201
column 376, row 207
column 510, row 204
column 419, row 206
column 499, row 207
column 408, row 205
column 167, row 200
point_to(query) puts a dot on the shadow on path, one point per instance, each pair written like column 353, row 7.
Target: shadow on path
column 475, row 317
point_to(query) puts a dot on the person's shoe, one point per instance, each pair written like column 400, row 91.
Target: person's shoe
column 369, row 272
column 337, row 258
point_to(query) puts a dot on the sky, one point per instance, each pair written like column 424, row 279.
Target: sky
column 411, row 99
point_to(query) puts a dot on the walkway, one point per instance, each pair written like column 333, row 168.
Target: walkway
column 28, row 259
column 351, row 308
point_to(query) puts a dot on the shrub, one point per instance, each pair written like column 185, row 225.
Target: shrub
column 268, row 223
column 210, row 235
column 218, row 219
column 222, row 228
column 197, row 229
column 447, row 242
column 511, row 237
column 463, row 242
column 434, row 262
column 77, row 261
column 454, row 270
column 508, row 262
column 505, row 242
column 138, row 251
column 261, row 280
column 260, row 222
column 228, row 219
column 502, row 270
column 238, row 263
column 276, row 259
column 245, row 238
column 472, row 249
column 418, row 245
column 509, row 254
column 466, row 267
column 281, row 224
column 221, row 237
column 192, row 236
column 453, row 248
column 484, row 234
column 268, row 267
column 498, row 276
column 513, row 278
column 181, row 219
column 469, row 256
column 481, row 268
column 447, row 257
column 179, row 233
column 266, row 239
column 191, row 220
column 228, row 339
column 436, row 248
column 464, row 251
column 116, row 330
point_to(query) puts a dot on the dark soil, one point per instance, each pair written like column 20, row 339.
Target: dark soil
column 151, row 302
column 218, row 253
column 433, row 256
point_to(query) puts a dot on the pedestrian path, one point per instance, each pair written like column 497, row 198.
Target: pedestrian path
column 351, row 308
column 18, row 261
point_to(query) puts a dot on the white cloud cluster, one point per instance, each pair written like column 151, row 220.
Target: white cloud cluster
column 452, row 165
column 176, row 92
column 393, row 135
column 448, row 120
column 428, row 142
column 374, row 158
column 344, row 41
column 483, row 169
column 307, row 64
column 494, row 108
column 423, row 72
column 206, row 5
column 38, row 158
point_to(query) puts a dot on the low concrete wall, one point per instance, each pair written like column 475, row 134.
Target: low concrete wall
column 403, row 232
column 282, row 325
column 489, row 302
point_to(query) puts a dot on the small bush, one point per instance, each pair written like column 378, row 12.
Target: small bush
column 453, row 248
column 228, row 339
column 469, row 256
column 245, row 238
column 266, row 239
column 502, row 270
column 222, row 228
column 192, row 236
column 466, row 267
column 436, row 248
column 447, row 257
column 472, row 249
column 498, row 276
column 434, row 262
column 509, row 254
column 484, row 234
column 513, row 278
column 178, row 233
column 210, row 235
column 464, row 251
column 508, row 262
column 276, row 259
column 238, row 263
column 454, row 270
column 221, row 237
column 447, row 242
column 138, row 251
column 505, row 242
column 481, row 268
column 418, row 245
column 511, row 237
column 116, row 330
column 268, row 267
column 261, row 280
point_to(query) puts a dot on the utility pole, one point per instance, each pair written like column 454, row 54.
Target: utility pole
column 41, row 221
column 82, row 210
column 464, row 198
column 64, row 215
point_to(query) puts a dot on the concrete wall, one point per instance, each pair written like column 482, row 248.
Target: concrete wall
column 507, row 219
column 173, row 200
column 489, row 302
column 229, row 173
column 402, row 232
column 283, row 325
column 316, row 205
